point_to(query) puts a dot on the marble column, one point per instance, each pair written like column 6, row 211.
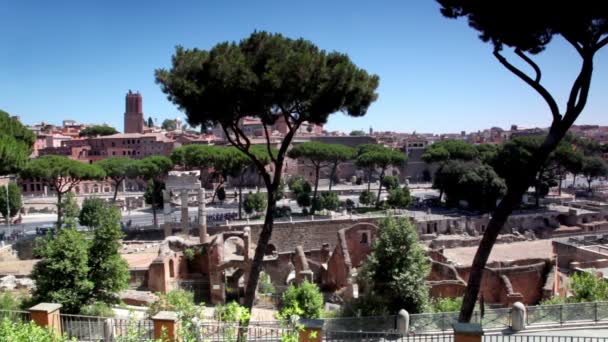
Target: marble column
column 185, row 224
column 167, row 227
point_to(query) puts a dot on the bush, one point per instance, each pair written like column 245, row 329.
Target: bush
column 26, row 332
column 367, row 197
column 177, row 300
column 350, row 204
column 98, row 309
column 91, row 212
column 399, row 198
column 299, row 185
column 231, row 313
column 14, row 301
column 221, row 194
column 265, row 284
column 283, row 211
column 255, row 203
column 446, row 304
column 390, row 182
column 305, row 301
column 303, row 199
column 330, row 201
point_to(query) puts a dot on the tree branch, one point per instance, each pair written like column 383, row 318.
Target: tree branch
column 601, row 44
column 274, row 160
column 535, row 85
column 528, row 60
column 574, row 43
column 245, row 149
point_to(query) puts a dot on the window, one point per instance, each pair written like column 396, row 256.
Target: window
column 171, row 269
column 364, row 238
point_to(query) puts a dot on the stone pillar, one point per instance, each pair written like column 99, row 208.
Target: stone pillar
column 167, row 227
column 468, row 332
column 246, row 242
column 403, row 322
column 47, row 315
column 165, row 326
column 312, row 330
column 518, row 316
column 202, row 216
column 185, row 224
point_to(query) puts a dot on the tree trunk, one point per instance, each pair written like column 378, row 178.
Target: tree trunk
column 59, row 209
column 511, row 200
column 559, row 186
column 314, row 193
column 240, row 196
column 260, row 250
column 574, row 183
column 379, row 189
column 116, row 191
column 589, row 180
column 155, row 222
column 332, row 175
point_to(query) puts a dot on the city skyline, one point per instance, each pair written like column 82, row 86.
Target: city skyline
column 76, row 61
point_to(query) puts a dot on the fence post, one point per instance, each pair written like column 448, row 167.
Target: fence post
column 46, row 315
column 467, row 332
column 165, row 326
column 518, row 316
column 595, row 311
column 403, row 322
column 311, row 330
column 108, row 329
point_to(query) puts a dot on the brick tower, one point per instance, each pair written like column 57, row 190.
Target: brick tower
column 134, row 115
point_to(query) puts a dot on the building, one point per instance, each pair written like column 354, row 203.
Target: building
column 134, row 115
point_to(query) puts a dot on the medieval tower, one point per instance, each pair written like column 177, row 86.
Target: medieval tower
column 134, row 115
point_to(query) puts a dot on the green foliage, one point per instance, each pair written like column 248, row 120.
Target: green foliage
column 393, row 277
column 14, row 331
column 303, row 199
column 486, row 152
column 399, row 198
column 255, row 203
column 304, row 300
column 62, row 276
column 154, row 193
column 587, row 287
column 265, row 285
column 231, row 313
column 446, row 150
column 594, row 168
column 94, row 131
column 367, row 197
column 16, row 143
column 330, row 201
column 14, row 200
column 92, row 212
column 189, row 253
column 108, row 271
column 446, row 304
column 357, row 133
column 97, row 309
column 169, row 125
column 13, row 300
column 150, row 122
column 390, row 182
column 299, row 185
column 179, row 301
column 554, row 301
column 118, row 169
column 69, row 206
column 152, row 167
column 476, row 183
column 350, row 204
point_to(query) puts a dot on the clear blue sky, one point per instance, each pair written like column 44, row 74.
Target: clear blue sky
column 77, row 59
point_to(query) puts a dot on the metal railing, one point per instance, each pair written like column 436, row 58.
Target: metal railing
column 231, row 332
column 567, row 313
column 15, row 315
column 93, row 328
column 539, row 338
column 383, row 336
column 367, row 324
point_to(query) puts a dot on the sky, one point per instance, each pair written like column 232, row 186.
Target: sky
column 77, row 60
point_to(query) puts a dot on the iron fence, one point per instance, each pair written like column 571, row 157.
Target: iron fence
column 233, row 332
column 367, row 324
column 15, row 315
column 339, row 336
column 94, row 329
column 566, row 313
column 539, row 338
column 130, row 329
column 83, row 328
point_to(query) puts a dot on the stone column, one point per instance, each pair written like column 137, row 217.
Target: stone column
column 167, row 227
column 165, row 326
column 185, row 224
column 47, row 315
column 403, row 322
column 202, row 216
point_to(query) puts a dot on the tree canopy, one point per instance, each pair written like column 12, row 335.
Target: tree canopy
column 445, row 150
column 61, row 173
column 378, row 158
column 16, row 143
column 14, row 200
column 100, row 130
column 594, row 168
column 118, row 169
column 270, row 77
